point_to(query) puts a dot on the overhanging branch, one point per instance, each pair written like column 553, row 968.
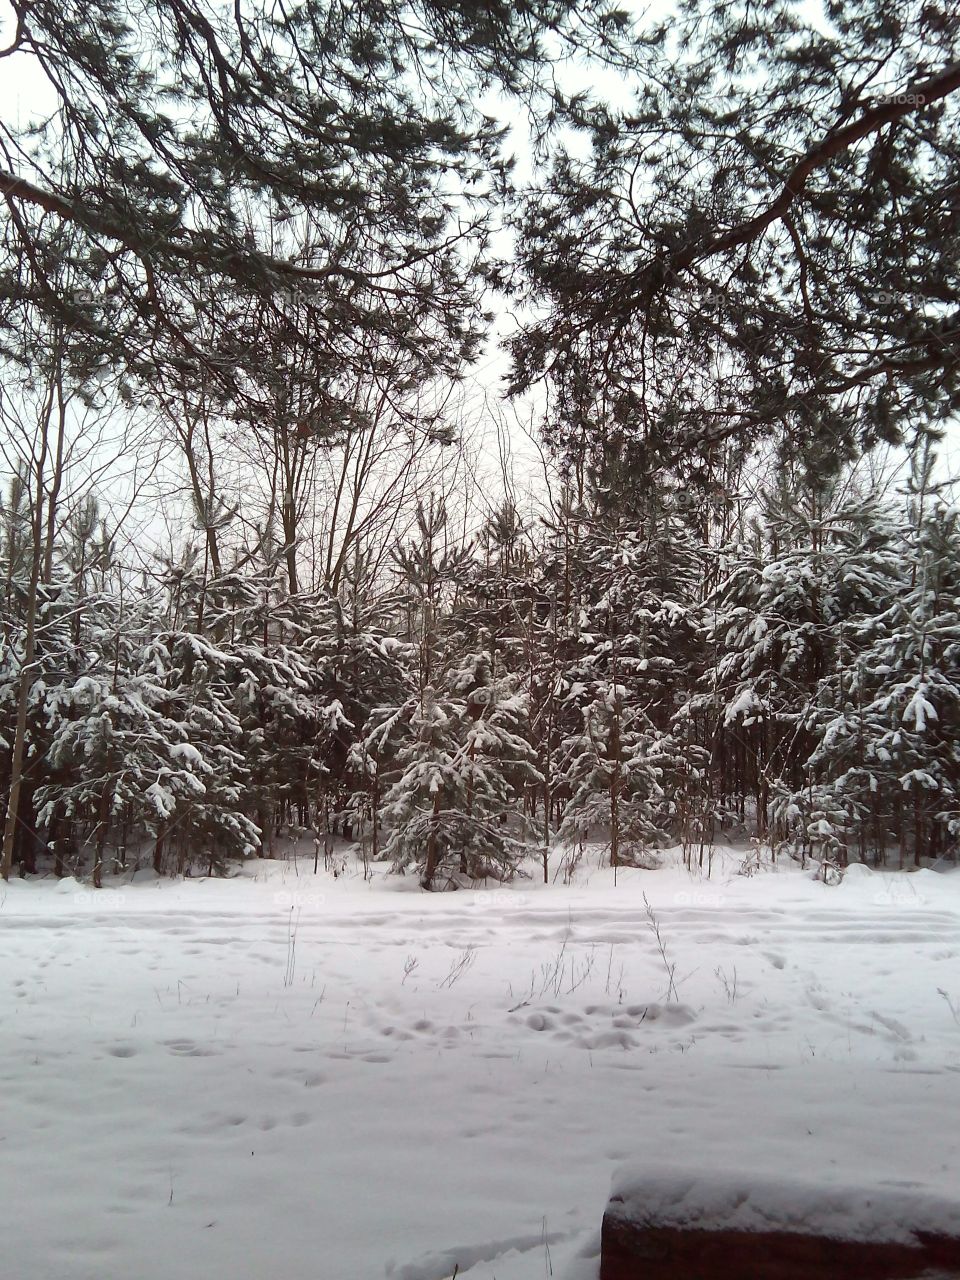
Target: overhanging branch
column 896, row 107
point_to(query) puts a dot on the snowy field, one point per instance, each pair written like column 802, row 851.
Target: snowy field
column 283, row 1075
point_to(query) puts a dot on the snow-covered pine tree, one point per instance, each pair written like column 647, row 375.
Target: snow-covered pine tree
column 72, row 604
column 266, row 691
column 430, row 567
column 889, row 760
column 360, row 668
column 627, row 764
column 453, row 809
column 508, row 605
column 193, row 685
column 120, row 770
column 919, row 694
column 786, row 626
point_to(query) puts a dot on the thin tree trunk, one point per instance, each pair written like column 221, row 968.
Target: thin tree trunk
column 27, row 677
column 430, row 866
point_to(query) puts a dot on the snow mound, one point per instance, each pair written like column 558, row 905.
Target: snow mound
column 894, row 1212
column 66, row 886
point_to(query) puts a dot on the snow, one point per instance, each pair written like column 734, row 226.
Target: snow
column 920, row 709
column 744, row 702
column 282, row 1074
column 187, row 754
column 893, row 1212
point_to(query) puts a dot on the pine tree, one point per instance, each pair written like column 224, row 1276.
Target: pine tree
column 784, row 625
column 726, row 265
column 626, row 763
column 894, row 758
column 463, row 763
column 359, row 127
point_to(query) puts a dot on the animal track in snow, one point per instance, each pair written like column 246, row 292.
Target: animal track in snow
column 607, row 1026
column 189, row 1049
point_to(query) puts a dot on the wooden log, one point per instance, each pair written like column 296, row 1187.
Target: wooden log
column 690, row 1227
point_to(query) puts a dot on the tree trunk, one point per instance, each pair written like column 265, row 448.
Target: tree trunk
column 27, row 677
column 430, row 865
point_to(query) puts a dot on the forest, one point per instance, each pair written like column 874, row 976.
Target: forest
column 470, row 431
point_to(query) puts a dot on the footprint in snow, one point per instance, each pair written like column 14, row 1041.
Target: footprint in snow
column 897, row 1028
column 188, row 1049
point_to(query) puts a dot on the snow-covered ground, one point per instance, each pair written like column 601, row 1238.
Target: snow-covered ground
column 298, row 1076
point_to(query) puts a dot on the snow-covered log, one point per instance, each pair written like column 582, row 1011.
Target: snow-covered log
column 669, row 1225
